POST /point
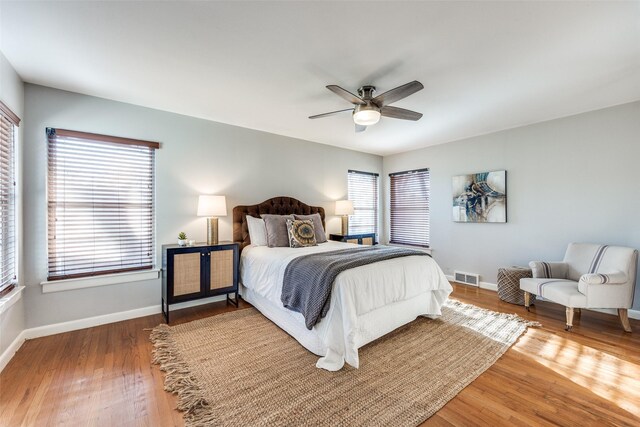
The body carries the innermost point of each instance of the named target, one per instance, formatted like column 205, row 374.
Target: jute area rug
column 240, row 369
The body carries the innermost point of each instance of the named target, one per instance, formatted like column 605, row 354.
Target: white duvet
column 366, row 302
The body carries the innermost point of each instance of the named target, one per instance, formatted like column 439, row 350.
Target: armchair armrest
column 601, row 279
column 612, row 290
column 549, row 270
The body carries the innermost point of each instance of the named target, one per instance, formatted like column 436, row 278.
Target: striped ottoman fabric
column 509, row 284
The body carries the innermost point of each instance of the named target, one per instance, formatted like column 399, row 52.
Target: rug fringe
column 180, row 380
column 507, row 316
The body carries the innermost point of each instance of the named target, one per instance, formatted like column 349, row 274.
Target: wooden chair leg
column 624, row 319
column 569, row 319
column 527, row 300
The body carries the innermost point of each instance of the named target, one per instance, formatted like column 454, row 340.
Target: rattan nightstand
column 199, row 271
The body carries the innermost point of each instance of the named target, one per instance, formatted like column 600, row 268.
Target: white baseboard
column 633, row 314
column 482, row 285
column 74, row 325
column 6, row 355
column 88, row 322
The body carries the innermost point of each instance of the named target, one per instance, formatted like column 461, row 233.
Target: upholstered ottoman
column 509, row 284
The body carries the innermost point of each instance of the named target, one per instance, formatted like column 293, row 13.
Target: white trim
column 633, row 314
column 481, row 285
column 11, row 298
column 7, row 355
column 73, row 325
column 93, row 281
column 89, row 322
column 104, row 319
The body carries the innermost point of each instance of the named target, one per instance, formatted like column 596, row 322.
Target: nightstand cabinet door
column 183, row 273
column 222, row 269
column 187, row 274
column 367, row 241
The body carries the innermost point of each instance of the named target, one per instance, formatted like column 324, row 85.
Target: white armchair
column 590, row 276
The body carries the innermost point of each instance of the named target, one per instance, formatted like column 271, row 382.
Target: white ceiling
column 486, row 66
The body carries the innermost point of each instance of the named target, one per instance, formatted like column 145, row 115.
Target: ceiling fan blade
column 360, row 128
column 400, row 113
column 398, row 93
column 317, row 116
column 343, row 93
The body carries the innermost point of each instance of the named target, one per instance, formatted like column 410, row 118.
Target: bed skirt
column 330, row 342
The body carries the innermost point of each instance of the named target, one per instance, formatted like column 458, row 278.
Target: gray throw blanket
column 308, row 280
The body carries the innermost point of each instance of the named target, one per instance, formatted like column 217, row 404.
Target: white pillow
column 257, row 231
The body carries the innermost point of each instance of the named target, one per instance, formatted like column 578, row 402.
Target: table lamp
column 344, row 208
column 212, row 207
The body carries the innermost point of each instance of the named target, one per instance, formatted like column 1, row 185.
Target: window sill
column 94, row 281
column 11, row 298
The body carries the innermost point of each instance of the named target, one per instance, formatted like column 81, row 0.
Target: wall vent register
column 467, row 278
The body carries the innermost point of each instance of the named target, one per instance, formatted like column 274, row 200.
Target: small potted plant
column 182, row 239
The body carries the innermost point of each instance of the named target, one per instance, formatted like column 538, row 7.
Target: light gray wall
column 568, row 180
column 12, row 94
column 196, row 157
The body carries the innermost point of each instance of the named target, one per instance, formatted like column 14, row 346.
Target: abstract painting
column 480, row 197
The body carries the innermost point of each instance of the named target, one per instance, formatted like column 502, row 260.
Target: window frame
column 10, row 258
column 376, row 209
column 426, row 208
column 97, row 142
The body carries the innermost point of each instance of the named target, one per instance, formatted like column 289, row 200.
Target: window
column 101, row 204
column 363, row 192
column 8, row 125
column 410, row 207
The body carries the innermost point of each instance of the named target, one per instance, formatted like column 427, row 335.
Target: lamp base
column 212, row 231
column 345, row 225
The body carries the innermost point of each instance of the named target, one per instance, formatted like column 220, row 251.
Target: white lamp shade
column 212, row 206
column 344, row 207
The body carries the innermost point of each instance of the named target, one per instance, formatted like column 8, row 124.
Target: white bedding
column 366, row 303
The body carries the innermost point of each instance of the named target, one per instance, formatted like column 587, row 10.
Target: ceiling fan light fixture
column 366, row 116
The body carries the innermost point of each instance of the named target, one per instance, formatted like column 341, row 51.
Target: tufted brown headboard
column 277, row 206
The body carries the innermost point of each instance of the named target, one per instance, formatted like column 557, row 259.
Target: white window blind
column 8, row 124
column 410, row 207
column 101, row 204
column 363, row 192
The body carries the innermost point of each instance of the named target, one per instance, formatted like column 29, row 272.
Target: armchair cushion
column 549, row 270
column 561, row 291
column 601, row 279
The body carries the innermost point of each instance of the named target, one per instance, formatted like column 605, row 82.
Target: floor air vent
column 468, row 278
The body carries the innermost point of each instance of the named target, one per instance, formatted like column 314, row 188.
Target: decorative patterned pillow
column 321, row 236
column 301, row 233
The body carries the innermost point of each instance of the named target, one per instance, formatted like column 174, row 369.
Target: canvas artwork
column 480, row 197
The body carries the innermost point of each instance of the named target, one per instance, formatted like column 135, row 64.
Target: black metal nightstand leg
column 165, row 313
column 233, row 301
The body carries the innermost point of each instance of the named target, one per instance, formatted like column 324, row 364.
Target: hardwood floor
column 103, row 376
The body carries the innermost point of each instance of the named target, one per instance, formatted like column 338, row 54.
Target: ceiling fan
column 367, row 110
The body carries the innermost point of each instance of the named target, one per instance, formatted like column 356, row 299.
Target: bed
column 367, row 302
